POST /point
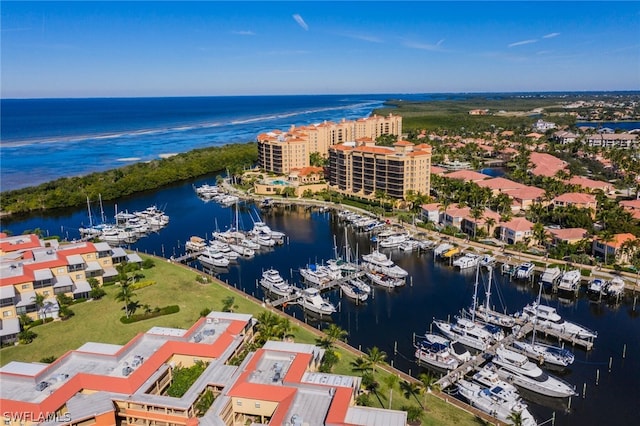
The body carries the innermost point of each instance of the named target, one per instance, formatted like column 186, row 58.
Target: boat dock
column 186, row 257
column 474, row 363
column 293, row 298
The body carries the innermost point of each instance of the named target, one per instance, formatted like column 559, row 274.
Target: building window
column 6, row 314
column 25, row 286
column 257, row 405
column 45, row 293
column 61, row 270
column 239, row 403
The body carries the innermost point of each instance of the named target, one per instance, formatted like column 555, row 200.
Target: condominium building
column 30, row 266
column 107, row 384
column 613, row 140
column 280, row 151
column 365, row 169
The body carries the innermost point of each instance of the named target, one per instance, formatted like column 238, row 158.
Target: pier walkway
column 188, row 256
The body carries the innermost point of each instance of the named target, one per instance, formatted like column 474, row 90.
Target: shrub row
column 171, row 309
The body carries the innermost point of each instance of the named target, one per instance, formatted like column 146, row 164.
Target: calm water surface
column 435, row 291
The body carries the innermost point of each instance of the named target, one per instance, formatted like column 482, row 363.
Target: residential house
column 524, row 197
column 632, row 206
column 576, row 199
column 431, row 212
column 516, row 230
column 590, row 185
column 467, row 176
column 546, row 164
column 613, row 140
column 567, row 235
column 564, row 137
column 614, row 249
column 500, row 184
column 543, row 126
column 488, row 223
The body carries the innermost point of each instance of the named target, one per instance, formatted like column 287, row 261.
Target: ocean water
column 45, row 139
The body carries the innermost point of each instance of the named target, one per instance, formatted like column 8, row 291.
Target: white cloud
column 551, row 35
column 301, row 22
column 523, row 42
column 425, row 46
column 243, row 33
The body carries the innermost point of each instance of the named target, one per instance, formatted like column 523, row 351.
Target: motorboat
column 450, row 253
column 550, row 277
column 525, row 271
column 353, row 292
column 517, row 369
column 409, row 245
column 207, row 191
column 490, row 401
column 570, row 281
column 384, row 280
column 487, row 261
column 357, row 282
column 488, row 376
column 315, row 275
column 442, row 248
column 469, row 260
column 379, row 262
column 393, row 241
column 223, row 248
column 466, row 332
column 263, row 240
column 615, row 288
column 435, row 351
column 312, row 301
column 548, row 317
column 245, row 242
column 488, row 315
column 211, row 258
column 195, row 243
column 597, row 287
column 273, row 281
column 242, row 250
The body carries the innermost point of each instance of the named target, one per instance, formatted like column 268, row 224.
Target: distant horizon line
column 629, row 91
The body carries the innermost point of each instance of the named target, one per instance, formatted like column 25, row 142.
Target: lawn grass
column 99, row 321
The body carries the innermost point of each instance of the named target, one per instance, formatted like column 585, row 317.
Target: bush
column 48, row 359
column 157, row 312
column 142, row 284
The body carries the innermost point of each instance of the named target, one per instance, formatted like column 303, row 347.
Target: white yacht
column 488, row 376
column 469, row 260
column 393, row 241
column 312, row 301
column 220, row 247
column 273, row 281
column 315, row 275
column 384, row 280
column 525, row 270
column 242, row 250
column 437, row 351
column 486, row 400
column 615, row 288
column 207, row 191
column 263, row 240
column 441, row 249
column 597, row 287
column 487, row 261
column 570, row 281
column 195, row 243
column 466, row 332
column 550, row 277
column 516, row 368
column 548, row 317
column 211, row 258
column 352, row 291
column 379, row 262
column 409, row 245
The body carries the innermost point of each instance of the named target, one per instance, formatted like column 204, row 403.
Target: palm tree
column 376, row 356
column 490, row 222
column 335, row 333
column 124, row 295
column 411, row 389
column 539, row 233
column 38, row 300
column 476, row 214
column 515, row 418
column 606, row 237
column 361, row 365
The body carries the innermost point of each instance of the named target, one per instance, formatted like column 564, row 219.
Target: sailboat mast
column 346, row 247
column 475, row 295
column 89, row 210
column 101, row 209
column 488, row 294
column 535, row 319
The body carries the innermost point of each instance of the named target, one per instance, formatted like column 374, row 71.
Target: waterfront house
column 614, row 249
column 431, row 212
column 454, row 216
column 613, row 140
column 500, row 184
column 543, row 126
column 632, row 206
column 488, row 222
column 524, row 197
column 516, row 230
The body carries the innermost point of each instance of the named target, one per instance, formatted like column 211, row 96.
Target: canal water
column 390, row 318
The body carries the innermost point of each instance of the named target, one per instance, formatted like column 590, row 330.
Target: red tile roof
column 518, row 224
column 575, row 198
column 568, row 234
column 546, row 164
column 500, row 183
column 466, row 175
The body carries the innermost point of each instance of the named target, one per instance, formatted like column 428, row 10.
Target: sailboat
column 469, row 332
column 486, row 314
column 542, row 352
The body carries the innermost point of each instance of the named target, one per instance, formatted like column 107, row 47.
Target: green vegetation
column 123, row 181
column 184, row 378
column 157, row 312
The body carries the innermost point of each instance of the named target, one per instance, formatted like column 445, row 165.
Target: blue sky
column 85, row 49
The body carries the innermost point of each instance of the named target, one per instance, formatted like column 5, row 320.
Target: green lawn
column 99, row 321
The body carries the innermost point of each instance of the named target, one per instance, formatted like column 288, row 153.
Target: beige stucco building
column 364, row 169
column 280, row 152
